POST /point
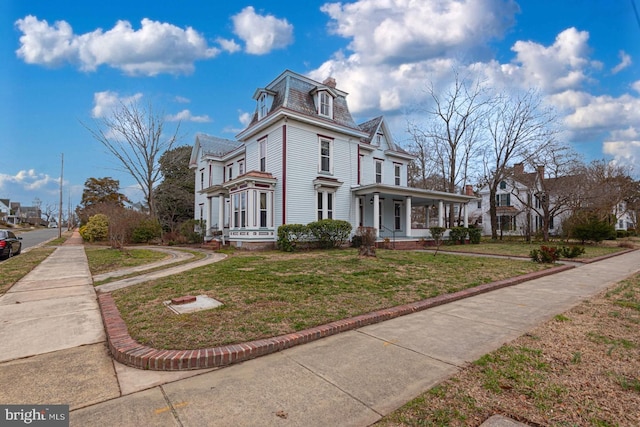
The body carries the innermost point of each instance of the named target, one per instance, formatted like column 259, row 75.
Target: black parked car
column 10, row 245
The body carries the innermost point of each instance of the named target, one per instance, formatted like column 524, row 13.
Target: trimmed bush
column 570, row 251
column 330, row 233
column 291, row 235
column 367, row 238
column 96, row 229
column 457, row 235
column 475, row 234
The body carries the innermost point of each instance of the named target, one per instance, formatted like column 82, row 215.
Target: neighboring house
column 302, row 158
column 5, row 209
column 522, row 199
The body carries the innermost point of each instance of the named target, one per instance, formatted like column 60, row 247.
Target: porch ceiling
column 419, row 197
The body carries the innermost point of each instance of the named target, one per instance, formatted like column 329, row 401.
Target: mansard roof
column 295, row 93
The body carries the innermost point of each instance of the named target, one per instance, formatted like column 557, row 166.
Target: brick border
column 127, row 351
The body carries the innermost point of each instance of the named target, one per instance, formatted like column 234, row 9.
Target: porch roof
column 419, row 197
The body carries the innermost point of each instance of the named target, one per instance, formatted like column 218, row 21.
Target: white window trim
column 262, row 150
column 329, row 98
column 325, row 192
column 330, row 141
column 375, row 171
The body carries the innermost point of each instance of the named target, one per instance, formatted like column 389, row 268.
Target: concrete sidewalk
column 54, row 352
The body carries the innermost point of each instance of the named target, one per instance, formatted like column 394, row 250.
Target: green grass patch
column 523, row 249
column 17, row 267
column 271, row 293
column 103, row 260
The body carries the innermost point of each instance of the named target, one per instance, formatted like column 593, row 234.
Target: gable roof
column 373, row 126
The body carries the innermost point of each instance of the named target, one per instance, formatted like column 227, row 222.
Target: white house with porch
column 303, row 158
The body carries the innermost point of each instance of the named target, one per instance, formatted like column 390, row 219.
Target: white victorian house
column 303, row 158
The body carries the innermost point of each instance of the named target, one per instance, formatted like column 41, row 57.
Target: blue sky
column 65, row 63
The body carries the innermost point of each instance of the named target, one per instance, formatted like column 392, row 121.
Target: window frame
column 397, row 173
column 325, row 104
column 379, row 176
column 328, row 157
column 262, row 149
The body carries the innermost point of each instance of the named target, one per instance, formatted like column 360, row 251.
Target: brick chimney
column 541, row 171
column 330, row 82
column 468, row 190
column 518, row 169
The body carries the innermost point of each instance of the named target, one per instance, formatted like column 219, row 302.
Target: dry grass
column 580, row 369
column 272, row 293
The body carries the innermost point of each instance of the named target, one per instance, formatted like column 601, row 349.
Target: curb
column 126, row 350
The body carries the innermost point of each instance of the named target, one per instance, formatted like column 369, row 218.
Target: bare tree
column 448, row 145
column 135, row 136
column 518, row 127
column 552, row 189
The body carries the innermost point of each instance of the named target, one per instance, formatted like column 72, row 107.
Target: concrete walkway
column 53, row 351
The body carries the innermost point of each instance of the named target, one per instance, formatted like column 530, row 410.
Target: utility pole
column 60, row 207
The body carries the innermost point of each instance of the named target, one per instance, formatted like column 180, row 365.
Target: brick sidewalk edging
column 126, row 350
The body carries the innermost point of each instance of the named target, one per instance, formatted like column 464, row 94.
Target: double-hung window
column 241, row 167
column 503, row 199
column 378, row 166
column 325, row 205
column 396, row 215
column 397, row 168
column 263, row 210
column 263, row 154
column 326, row 156
column 325, row 104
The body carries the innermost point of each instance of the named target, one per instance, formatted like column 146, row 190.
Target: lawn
column 271, row 293
column 578, row 369
column 104, row 259
column 19, row 266
column 522, row 249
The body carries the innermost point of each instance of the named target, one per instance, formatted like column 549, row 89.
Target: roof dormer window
column 262, row 106
column 325, row 107
column 264, row 97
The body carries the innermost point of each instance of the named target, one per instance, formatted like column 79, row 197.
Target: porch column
column 440, row 213
column 466, row 215
column 407, row 207
column 221, row 212
column 427, row 218
column 207, row 217
column 356, row 209
column 376, row 213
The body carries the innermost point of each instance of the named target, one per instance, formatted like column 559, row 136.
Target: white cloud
column 625, row 61
column 261, row 33
column 228, row 45
column 154, row 48
column 636, row 86
column 398, row 30
column 244, row 118
column 624, row 147
column 105, row 102
column 182, row 100
column 604, row 112
column 29, row 181
column 186, row 116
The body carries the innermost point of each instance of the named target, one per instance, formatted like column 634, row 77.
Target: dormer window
column 262, row 106
column 264, row 97
column 326, row 104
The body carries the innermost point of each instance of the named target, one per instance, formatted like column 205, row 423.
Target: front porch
column 390, row 210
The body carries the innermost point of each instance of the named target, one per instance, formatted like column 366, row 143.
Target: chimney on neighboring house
column 468, row 190
column 330, row 82
column 541, row 171
column 518, row 169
